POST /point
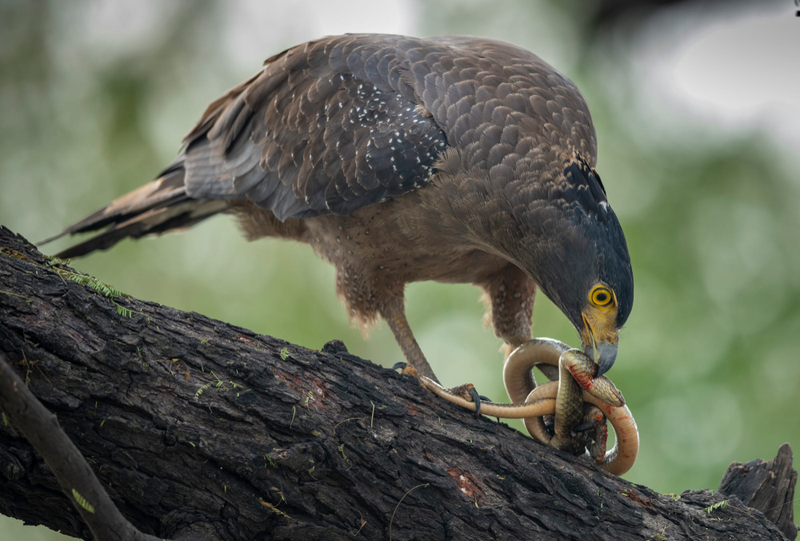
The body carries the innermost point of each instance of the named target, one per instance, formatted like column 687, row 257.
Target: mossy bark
column 192, row 424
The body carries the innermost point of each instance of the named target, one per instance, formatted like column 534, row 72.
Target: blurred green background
column 698, row 124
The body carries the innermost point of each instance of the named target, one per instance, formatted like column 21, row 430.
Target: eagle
column 398, row 159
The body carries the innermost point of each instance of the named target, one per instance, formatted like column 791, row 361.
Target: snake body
column 564, row 398
column 574, row 387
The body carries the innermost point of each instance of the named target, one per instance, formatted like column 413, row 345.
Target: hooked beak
column 606, row 355
column 602, row 350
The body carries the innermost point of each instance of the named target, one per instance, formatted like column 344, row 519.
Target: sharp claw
column 487, row 399
column 477, row 399
column 406, row 369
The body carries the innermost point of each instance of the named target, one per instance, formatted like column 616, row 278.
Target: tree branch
column 193, row 425
column 74, row 475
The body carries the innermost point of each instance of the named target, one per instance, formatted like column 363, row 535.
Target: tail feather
column 157, row 207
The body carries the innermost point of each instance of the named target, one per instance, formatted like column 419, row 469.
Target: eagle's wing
column 326, row 127
column 334, row 125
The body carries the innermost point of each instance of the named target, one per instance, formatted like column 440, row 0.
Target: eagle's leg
column 395, row 315
column 509, row 296
column 368, row 296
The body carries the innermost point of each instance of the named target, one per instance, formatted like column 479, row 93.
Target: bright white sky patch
column 256, row 27
column 738, row 71
column 246, row 31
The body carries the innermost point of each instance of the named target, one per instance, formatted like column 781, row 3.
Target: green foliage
column 719, row 505
column 84, row 280
column 224, row 385
column 202, row 389
column 82, row 501
column 103, row 288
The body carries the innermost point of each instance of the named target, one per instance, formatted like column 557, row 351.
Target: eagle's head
column 575, row 250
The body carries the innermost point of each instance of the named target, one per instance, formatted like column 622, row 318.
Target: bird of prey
column 398, row 159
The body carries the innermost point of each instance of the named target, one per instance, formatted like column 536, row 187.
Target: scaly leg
column 509, row 295
column 395, row 316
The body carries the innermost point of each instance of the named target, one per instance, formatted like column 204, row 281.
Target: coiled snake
column 573, row 398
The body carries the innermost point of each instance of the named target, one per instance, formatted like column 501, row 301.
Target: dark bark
column 74, row 475
column 193, row 424
column 766, row 486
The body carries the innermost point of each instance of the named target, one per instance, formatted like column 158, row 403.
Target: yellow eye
column 601, row 296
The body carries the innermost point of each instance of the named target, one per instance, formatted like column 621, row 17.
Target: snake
column 570, row 398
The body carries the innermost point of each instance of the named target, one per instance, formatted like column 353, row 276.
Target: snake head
column 583, row 369
column 603, row 389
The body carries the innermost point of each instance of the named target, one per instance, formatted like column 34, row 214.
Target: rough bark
column 192, row 423
column 75, row 477
column 767, row 486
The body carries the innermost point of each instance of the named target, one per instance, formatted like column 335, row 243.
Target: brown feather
column 399, row 159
